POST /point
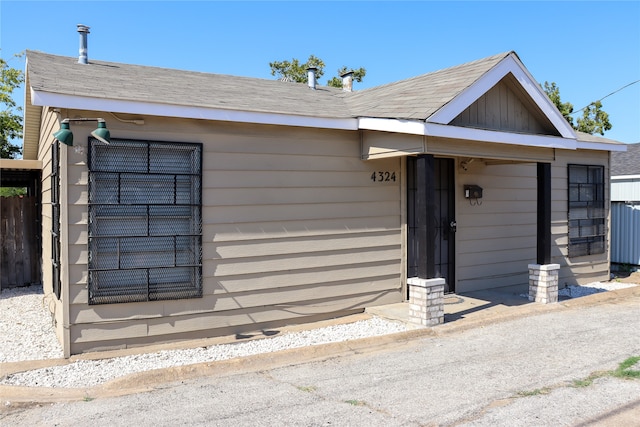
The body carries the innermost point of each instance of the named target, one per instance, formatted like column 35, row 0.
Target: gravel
column 26, row 326
column 576, row 291
column 28, row 334
column 32, row 337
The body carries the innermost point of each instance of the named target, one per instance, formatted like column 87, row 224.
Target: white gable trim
column 56, row 100
column 510, row 64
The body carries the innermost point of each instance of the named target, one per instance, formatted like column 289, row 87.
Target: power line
column 615, row 91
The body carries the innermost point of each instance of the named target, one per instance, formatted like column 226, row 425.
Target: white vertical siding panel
column 625, row 189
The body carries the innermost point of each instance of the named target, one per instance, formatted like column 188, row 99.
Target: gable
column 506, row 107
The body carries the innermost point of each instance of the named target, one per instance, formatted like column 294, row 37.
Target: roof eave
column 58, row 100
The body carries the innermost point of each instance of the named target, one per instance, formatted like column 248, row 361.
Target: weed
column 88, row 399
column 586, row 382
column 356, row 402
column 308, row 389
column 535, row 392
column 624, row 369
column 581, row 383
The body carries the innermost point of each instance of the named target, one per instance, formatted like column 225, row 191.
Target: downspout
column 64, row 252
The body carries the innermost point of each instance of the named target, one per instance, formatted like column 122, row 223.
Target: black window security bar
column 145, row 225
column 587, row 212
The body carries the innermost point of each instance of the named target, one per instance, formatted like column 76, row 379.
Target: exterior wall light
column 65, row 135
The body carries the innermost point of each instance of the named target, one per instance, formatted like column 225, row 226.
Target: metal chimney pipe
column 347, row 81
column 83, row 57
column 311, row 77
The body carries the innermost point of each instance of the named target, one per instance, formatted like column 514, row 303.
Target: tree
column 593, row 120
column 294, row 71
column 10, row 119
column 358, row 75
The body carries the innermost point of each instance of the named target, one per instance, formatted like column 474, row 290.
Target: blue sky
column 589, row 48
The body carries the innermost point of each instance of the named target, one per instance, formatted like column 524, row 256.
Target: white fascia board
column 509, row 64
column 187, row 112
column 625, row 177
column 588, row 145
column 412, row 127
column 469, row 134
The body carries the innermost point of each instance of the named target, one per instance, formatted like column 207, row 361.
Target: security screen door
column 431, row 219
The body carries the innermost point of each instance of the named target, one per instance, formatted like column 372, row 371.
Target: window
column 587, row 211
column 145, row 227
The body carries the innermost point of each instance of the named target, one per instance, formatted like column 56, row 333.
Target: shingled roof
column 626, row 163
column 126, row 82
column 415, row 98
column 423, row 105
column 420, row 97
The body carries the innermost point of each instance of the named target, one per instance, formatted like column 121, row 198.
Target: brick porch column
column 543, row 283
column 426, row 301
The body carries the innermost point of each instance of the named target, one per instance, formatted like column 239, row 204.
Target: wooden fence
column 19, row 241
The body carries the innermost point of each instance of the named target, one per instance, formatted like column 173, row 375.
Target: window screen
column 587, row 212
column 145, row 227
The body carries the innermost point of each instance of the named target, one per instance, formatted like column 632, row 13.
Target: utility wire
column 615, row 91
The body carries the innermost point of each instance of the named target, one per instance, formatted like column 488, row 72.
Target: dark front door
column 431, row 219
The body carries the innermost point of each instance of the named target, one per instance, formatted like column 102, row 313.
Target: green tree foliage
column 358, row 75
column 10, row 118
column 294, row 71
column 594, row 119
column 12, row 191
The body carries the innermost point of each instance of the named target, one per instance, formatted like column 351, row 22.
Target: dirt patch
column 626, row 277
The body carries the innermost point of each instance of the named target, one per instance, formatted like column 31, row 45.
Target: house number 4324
column 383, row 176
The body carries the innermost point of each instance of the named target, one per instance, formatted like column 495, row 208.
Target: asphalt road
column 518, row 372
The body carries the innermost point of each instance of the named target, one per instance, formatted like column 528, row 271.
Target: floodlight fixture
column 65, row 135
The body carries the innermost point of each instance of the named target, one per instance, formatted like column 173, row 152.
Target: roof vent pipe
column 347, row 81
column 83, row 57
column 311, row 77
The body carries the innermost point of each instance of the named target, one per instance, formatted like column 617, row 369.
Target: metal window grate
column 145, row 226
column 587, row 212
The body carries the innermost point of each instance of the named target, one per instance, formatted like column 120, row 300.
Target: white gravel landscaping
column 574, row 291
column 27, row 334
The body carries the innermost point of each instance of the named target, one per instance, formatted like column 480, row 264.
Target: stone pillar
column 543, row 283
column 426, row 301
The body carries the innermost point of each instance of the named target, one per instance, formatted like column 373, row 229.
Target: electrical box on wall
column 472, row 192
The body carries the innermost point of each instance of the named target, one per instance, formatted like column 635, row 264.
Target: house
column 625, row 207
column 224, row 204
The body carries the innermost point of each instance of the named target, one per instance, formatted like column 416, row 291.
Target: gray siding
column 293, row 229
column 496, row 239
